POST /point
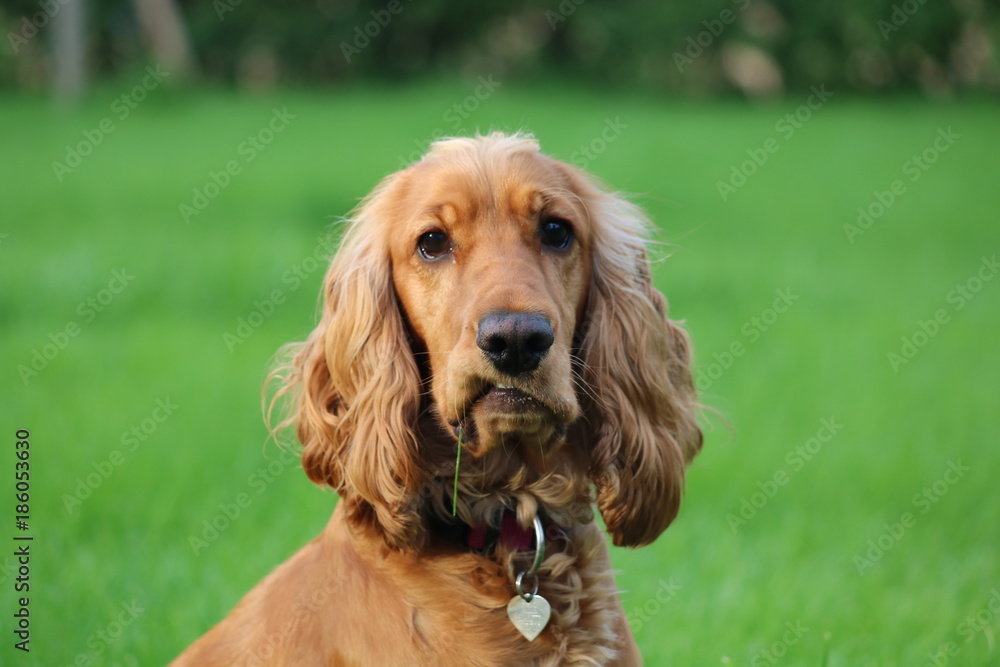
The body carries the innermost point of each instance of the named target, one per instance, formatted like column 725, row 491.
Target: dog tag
column 529, row 617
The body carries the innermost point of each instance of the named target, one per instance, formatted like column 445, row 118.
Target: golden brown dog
column 492, row 302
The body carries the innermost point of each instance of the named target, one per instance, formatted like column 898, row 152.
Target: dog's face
column 493, row 294
column 492, row 267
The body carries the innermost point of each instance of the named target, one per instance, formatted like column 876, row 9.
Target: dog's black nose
column 514, row 342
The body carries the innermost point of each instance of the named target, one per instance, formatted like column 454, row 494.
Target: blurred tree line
column 757, row 47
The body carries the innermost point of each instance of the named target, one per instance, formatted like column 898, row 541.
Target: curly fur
column 384, row 383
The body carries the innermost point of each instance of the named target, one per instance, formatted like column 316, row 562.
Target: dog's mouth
column 504, row 413
column 503, row 398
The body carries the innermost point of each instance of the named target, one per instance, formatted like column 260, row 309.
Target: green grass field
column 844, row 513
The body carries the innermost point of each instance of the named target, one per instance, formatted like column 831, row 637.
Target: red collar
column 511, row 535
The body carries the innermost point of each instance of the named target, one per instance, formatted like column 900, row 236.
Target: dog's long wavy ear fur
column 643, row 422
column 355, row 385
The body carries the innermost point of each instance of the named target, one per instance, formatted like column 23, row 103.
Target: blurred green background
column 829, row 193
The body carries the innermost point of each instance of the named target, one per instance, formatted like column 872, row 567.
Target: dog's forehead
column 519, row 185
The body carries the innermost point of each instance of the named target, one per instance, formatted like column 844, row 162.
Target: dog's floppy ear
column 357, row 385
column 642, row 423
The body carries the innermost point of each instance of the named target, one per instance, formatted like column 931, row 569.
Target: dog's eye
column 556, row 233
column 432, row 245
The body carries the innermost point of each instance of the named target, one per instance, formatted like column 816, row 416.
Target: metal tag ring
column 539, row 557
column 539, row 546
column 527, row 597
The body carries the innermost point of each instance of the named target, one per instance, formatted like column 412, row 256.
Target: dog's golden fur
column 394, row 373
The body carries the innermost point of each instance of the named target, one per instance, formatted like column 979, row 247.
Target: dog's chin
column 508, row 417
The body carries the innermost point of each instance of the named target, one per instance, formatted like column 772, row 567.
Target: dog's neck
column 483, row 538
column 500, row 492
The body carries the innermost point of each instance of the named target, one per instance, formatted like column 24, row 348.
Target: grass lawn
column 844, row 513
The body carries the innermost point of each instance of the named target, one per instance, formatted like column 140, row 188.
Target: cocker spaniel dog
column 492, row 361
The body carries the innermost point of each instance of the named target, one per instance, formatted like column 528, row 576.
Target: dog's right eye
column 433, row 245
column 556, row 233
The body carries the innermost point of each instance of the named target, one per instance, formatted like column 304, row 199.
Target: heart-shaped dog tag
column 529, row 617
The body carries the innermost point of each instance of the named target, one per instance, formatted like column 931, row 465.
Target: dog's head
column 491, row 294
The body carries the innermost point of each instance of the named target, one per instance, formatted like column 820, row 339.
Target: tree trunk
column 69, row 50
column 168, row 41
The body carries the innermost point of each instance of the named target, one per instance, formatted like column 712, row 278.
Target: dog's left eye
column 432, row 245
column 556, row 233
